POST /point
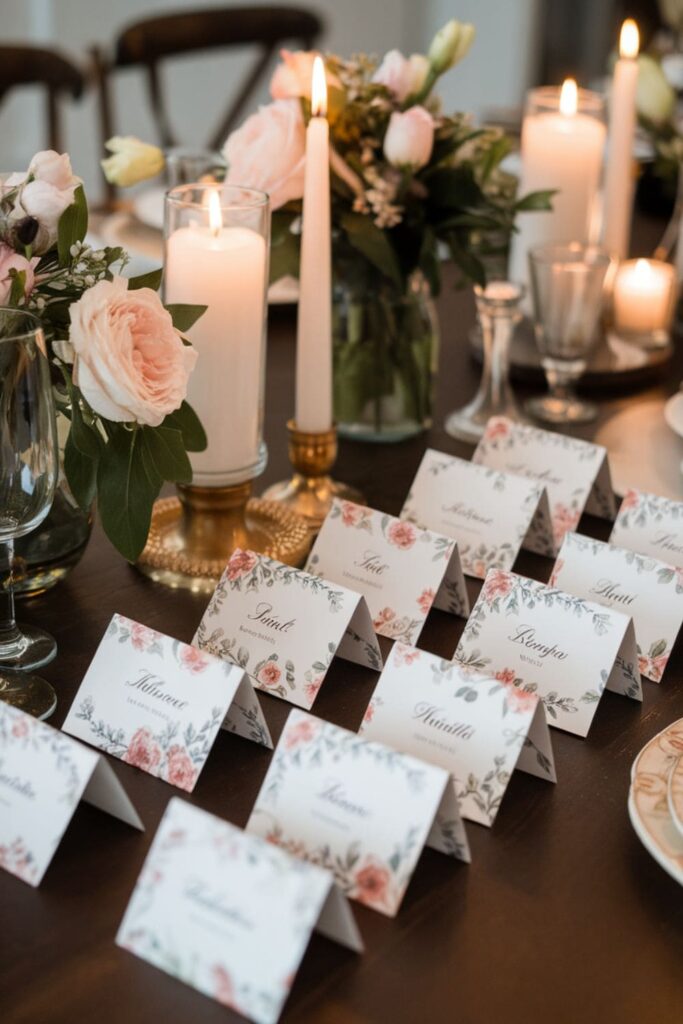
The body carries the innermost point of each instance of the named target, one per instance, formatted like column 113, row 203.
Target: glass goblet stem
column 12, row 643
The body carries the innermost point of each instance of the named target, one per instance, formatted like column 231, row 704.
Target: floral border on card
column 360, row 873
column 19, row 729
column 505, row 593
column 652, row 662
column 638, row 508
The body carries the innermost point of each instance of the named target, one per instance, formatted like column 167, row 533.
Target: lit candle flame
column 643, row 270
column 569, row 97
column 318, row 89
column 215, row 214
column 629, row 40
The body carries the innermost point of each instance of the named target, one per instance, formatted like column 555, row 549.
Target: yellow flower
column 131, row 161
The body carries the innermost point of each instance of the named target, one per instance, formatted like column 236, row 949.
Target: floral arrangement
column 119, row 359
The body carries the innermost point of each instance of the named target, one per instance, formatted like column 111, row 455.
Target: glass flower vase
column 385, row 356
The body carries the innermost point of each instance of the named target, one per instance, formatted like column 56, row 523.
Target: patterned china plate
column 648, row 802
column 675, row 795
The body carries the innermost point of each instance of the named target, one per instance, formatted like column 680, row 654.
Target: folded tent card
column 650, row 525
column 228, row 913
column 43, row 777
column 489, row 513
column 159, row 704
column 284, row 626
column 564, row 648
column 361, row 809
column 400, row 570
column 477, row 727
column 648, row 590
column 575, row 473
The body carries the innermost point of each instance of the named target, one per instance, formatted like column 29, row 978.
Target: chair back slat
column 32, row 65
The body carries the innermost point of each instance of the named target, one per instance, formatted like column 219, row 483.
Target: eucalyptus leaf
column 184, row 315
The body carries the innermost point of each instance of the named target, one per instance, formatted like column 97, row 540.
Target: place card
column 360, row 809
column 564, row 648
column 229, row 914
column 489, row 513
column 575, row 473
column 648, row 590
column 396, row 566
column 158, row 704
column 43, row 777
column 650, row 525
column 284, row 626
column 476, row 727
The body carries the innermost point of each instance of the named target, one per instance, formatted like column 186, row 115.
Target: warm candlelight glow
column 629, row 40
column 318, row 89
column 569, row 98
column 215, row 215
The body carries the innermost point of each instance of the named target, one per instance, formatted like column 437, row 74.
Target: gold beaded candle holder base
column 311, row 490
column 192, row 537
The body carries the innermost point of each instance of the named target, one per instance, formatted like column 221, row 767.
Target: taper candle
column 618, row 194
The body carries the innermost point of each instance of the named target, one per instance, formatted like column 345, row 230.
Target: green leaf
column 86, row 439
column 185, row 420
column 497, row 151
column 184, row 315
column 18, row 287
column 81, row 474
column 536, row 200
column 453, row 188
column 280, row 225
column 467, row 262
column 72, row 226
column 373, row 243
column 284, row 257
column 165, row 448
column 125, row 493
column 151, row 280
column 658, row 648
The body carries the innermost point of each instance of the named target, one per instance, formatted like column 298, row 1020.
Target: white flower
column 46, row 190
column 655, row 99
column 449, row 45
column 131, row 161
column 401, row 75
column 409, row 138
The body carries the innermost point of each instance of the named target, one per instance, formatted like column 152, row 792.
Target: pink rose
column 498, row 583
column 401, row 535
column 564, row 520
column 402, row 76
column 241, row 563
column 142, row 751
column 371, row 883
column 270, row 674
column 11, row 260
column 426, row 600
column 141, row 637
column 479, row 569
column 301, row 733
column 131, row 363
column 268, row 152
column 179, row 768
column 409, row 138
column 193, row 659
column 404, row 655
column 505, row 675
column 311, row 689
column 384, row 616
column 47, row 195
column 351, row 514
column 496, row 428
column 631, row 499
column 292, row 78
column 519, row 701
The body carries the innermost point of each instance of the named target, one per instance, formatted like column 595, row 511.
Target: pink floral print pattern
column 241, row 564
column 401, row 534
column 142, row 751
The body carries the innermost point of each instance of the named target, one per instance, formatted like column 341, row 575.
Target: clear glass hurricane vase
column 28, row 477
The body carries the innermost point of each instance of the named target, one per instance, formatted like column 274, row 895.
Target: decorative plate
column 648, row 802
column 675, row 795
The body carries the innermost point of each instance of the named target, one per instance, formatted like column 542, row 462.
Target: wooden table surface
column 562, row 917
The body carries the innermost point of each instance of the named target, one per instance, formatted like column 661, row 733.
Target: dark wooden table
column 561, row 918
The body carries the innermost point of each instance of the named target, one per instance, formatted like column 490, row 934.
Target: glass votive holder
column 643, row 302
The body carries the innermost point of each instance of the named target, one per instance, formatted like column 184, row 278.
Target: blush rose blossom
column 293, row 77
column 498, row 583
column 241, row 563
column 404, row 655
column 11, row 260
column 631, row 499
column 426, row 600
column 497, row 429
column 269, row 674
column 401, row 75
column 401, row 535
column 193, row 659
column 142, row 751
column 303, row 732
column 179, row 768
column 268, row 152
column 371, row 883
column 351, row 514
column 130, row 361
column 409, row 138
column 141, row 636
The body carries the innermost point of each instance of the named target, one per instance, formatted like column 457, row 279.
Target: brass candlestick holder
column 192, row 536
column 311, row 490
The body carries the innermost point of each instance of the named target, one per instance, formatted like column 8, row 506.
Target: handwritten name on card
column 360, row 809
column 477, row 727
column 489, row 513
column 229, row 914
column 650, row 525
column 575, row 473
column 565, row 649
column 158, row 704
column 396, row 566
column 284, row 626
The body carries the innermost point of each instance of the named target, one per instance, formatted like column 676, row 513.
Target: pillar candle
column 223, row 268
column 618, row 193
column 561, row 149
column 314, row 326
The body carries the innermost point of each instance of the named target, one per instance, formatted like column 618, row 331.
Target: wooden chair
column 146, row 44
column 31, row 65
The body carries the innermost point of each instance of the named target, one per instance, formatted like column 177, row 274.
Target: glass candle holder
column 216, row 241
column 643, row 302
column 562, row 146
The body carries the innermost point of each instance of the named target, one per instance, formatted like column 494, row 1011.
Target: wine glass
column 28, row 476
column 567, row 283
